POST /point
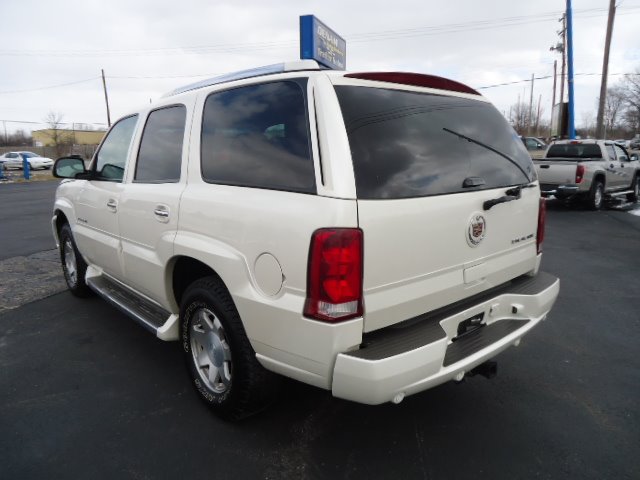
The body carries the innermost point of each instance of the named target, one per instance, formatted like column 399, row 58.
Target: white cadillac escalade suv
column 373, row 234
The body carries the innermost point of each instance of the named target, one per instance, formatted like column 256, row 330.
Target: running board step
column 619, row 194
column 149, row 315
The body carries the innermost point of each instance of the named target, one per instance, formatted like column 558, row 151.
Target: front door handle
column 112, row 205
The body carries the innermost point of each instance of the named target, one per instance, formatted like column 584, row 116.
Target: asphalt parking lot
column 85, row 392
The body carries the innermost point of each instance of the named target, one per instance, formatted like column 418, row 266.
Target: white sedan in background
column 14, row 160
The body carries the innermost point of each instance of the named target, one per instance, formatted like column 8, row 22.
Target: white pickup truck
column 591, row 170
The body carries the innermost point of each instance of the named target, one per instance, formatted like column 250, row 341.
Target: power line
column 364, row 37
column 549, row 76
column 60, row 85
column 6, row 92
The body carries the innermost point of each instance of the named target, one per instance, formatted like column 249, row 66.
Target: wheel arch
column 57, row 221
column 183, row 271
column 600, row 175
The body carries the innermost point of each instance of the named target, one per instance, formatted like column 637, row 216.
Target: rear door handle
column 112, row 205
column 162, row 213
column 544, row 166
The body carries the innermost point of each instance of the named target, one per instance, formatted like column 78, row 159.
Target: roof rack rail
column 296, row 66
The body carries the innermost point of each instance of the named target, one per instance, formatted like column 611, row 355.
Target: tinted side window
column 160, row 155
column 611, row 152
column 408, row 144
column 258, row 136
column 621, row 154
column 112, row 156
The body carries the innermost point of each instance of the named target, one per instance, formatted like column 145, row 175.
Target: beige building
column 45, row 137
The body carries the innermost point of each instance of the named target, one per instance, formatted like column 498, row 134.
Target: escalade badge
column 476, row 230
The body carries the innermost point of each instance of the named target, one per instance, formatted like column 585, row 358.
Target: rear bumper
column 560, row 191
column 421, row 353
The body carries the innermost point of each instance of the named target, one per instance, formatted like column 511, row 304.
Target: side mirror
column 68, row 167
column 634, row 157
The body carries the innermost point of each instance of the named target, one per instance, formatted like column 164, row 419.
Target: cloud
column 479, row 43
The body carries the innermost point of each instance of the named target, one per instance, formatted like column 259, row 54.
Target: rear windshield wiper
column 514, row 193
column 488, row 147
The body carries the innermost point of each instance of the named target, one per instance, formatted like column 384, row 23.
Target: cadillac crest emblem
column 476, row 230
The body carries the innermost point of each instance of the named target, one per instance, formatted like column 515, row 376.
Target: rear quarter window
column 409, row 144
column 258, row 136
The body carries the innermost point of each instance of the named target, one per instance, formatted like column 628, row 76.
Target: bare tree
column 59, row 137
column 519, row 117
column 16, row 139
column 539, row 125
column 588, row 124
column 613, row 108
column 631, row 84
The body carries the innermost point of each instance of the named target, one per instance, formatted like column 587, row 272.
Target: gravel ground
column 25, row 279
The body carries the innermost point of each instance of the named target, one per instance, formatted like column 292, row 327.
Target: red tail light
column 542, row 217
column 334, row 281
column 579, row 173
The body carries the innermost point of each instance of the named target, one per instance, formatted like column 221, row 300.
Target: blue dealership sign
column 318, row 42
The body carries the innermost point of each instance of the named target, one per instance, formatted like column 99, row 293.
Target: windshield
column 574, row 150
column 408, row 144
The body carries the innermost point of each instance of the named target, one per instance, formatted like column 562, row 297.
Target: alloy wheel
column 210, row 350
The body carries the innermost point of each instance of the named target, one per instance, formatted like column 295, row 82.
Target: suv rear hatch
column 425, row 164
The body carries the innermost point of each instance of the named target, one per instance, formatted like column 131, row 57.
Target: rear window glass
column 574, row 150
column 408, row 144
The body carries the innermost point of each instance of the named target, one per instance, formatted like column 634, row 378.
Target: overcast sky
column 148, row 47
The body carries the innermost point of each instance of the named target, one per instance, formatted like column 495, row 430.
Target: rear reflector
column 579, row 173
column 334, row 275
column 415, row 79
column 542, row 218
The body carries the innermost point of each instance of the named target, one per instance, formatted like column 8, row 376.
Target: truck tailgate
column 556, row 172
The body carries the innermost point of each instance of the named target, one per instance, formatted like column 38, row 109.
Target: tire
column 221, row 362
column 596, row 195
column 635, row 186
column 73, row 265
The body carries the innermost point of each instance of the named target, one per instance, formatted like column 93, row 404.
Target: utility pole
column 6, row 139
column 538, row 115
column 531, row 106
column 553, row 99
column 561, row 47
column 564, row 58
column 605, row 71
column 106, row 99
column 572, row 109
